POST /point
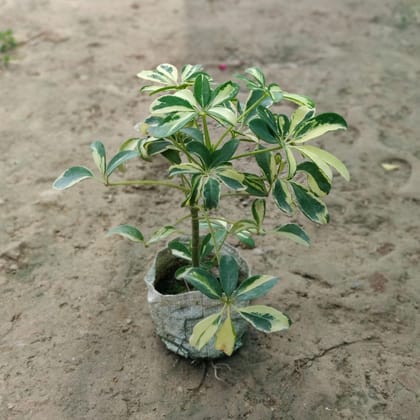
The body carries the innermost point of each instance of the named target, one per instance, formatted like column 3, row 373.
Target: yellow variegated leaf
column 225, row 338
column 204, row 330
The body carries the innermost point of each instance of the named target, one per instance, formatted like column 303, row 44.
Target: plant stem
column 195, row 237
column 147, row 182
column 206, row 133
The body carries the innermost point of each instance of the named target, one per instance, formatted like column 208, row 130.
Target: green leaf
column 202, row 91
column 263, row 130
column 245, row 238
column 299, row 99
column 99, row 156
column 294, row 232
column 162, row 233
column 229, row 272
column 282, row 197
column 254, row 97
column 316, row 155
column 180, row 250
column 200, row 150
column 322, row 183
column 119, row 159
column 204, row 281
column 258, row 212
column 322, row 165
column 254, row 287
column 211, row 193
column 204, row 331
column 224, row 92
column 225, row 153
column 225, row 337
column 268, row 165
column 193, row 133
column 283, row 125
column 265, row 318
column 319, row 125
column 312, row 207
column 168, row 71
column 128, row 232
column 72, row 176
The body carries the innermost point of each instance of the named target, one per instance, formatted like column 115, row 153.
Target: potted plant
column 208, row 133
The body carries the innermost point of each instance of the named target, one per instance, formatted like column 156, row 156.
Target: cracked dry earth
column 76, row 340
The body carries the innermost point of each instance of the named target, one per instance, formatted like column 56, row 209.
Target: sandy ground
column 76, row 340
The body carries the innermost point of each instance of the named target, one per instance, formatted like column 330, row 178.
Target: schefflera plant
column 202, row 164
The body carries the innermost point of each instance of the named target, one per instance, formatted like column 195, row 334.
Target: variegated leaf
column 204, row 331
column 223, row 115
column 317, row 126
column 224, row 92
column 171, row 124
column 316, row 155
column 299, row 99
column 282, row 197
column 318, row 182
column 161, row 234
column 254, row 287
column 202, row 91
column 291, row 161
column 119, row 159
column 311, row 206
column 180, row 250
column 258, row 211
column 184, row 169
column 293, row 232
column 211, row 193
column 71, row 177
column 225, row 337
column 300, row 115
column 257, row 74
column 128, row 232
column 190, row 71
column 182, row 101
column 265, row 318
column 231, row 178
column 204, row 281
column 99, row 156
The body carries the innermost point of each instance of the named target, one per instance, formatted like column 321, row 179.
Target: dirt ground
column 76, row 339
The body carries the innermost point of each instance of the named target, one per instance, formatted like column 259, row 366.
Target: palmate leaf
column 71, row 177
column 231, row 178
column 128, row 232
column 254, row 287
column 223, row 115
column 265, row 318
column 225, row 153
column 226, row 337
column 293, row 232
column 255, row 185
column 204, row 331
column 203, row 281
column 311, row 206
column 99, row 156
column 301, row 115
column 229, row 273
column 317, row 126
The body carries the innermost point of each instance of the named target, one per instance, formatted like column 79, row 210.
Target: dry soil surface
column 76, row 339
